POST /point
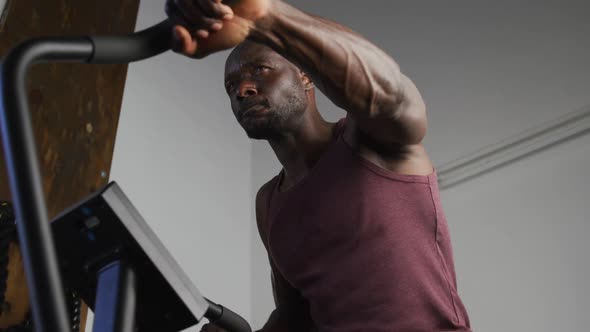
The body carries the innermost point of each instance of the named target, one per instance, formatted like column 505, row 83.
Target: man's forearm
column 355, row 74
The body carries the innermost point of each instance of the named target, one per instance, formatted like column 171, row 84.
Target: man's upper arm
column 404, row 125
column 292, row 308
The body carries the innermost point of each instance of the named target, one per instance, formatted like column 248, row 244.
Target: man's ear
column 307, row 82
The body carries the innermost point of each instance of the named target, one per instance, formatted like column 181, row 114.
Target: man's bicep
column 291, row 307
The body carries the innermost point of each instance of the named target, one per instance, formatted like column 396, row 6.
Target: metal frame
column 40, row 261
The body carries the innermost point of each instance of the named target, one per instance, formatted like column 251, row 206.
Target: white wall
column 185, row 163
column 488, row 70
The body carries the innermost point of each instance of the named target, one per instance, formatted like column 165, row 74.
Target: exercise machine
column 101, row 247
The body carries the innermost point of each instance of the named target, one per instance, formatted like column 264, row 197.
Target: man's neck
column 298, row 151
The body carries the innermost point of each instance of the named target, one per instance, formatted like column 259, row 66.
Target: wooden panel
column 75, row 107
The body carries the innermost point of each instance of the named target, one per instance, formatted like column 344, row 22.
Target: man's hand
column 202, row 27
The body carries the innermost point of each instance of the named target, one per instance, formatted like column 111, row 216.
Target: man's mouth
column 254, row 111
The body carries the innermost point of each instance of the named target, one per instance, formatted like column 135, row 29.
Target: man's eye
column 260, row 69
column 229, row 86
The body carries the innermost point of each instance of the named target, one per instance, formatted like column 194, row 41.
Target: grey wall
column 488, row 70
column 520, row 240
column 185, row 163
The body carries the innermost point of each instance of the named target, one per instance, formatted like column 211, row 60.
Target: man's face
column 267, row 91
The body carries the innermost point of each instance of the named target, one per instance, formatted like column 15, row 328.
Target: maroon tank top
column 368, row 248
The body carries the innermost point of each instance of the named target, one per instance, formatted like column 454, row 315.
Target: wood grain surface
column 75, row 110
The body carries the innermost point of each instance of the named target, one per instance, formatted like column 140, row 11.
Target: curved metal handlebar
column 225, row 318
column 138, row 46
column 40, row 260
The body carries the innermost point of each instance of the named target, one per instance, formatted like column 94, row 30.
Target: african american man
column 353, row 225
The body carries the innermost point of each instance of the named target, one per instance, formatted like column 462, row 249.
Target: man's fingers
column 201, row 27
column 194, row 18
column 183, row 41
column 214, row 8
column 188, row 8
column 177, row 16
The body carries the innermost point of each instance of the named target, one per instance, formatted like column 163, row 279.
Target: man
column 353, row 224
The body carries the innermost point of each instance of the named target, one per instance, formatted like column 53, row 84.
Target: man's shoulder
column 265, row 191
column 263, row 197
column 262, row 205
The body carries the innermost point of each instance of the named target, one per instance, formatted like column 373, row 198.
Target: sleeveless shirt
column 368, row 248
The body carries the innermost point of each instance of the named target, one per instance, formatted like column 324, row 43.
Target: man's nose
column 247, row 89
